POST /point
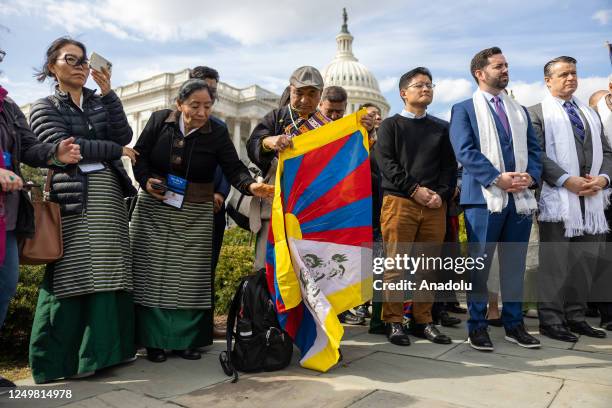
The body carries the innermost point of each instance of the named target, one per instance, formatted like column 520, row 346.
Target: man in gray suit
column 569, row 244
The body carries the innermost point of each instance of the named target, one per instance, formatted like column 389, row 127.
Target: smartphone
column 159, row 187
column 97, row 62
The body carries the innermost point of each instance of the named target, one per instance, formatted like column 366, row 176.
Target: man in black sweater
column 418, row 177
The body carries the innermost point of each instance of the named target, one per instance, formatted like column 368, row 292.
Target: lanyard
column 293, row 120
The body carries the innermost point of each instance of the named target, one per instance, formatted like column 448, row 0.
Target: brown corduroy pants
column 404, row 221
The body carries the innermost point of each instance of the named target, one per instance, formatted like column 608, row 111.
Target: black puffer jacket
column 101, row 130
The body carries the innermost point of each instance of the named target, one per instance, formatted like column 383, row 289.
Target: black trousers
column 218, row 231
column 565, row 275
column 446, row 299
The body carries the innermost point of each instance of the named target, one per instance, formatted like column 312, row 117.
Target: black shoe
column 349, row 318
column 558, row 332
column 6, row 385
column 362, row 311
column 430, row 332
column 606, row 325
column 495, row 322
column 585, row 329
column 456, row 309
column 520, row 336
column 156, row 355
column 479, row 340
column 446, row 320
column 398, row 334
column 189, row 354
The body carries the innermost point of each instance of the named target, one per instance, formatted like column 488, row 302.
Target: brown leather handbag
column 46, row 245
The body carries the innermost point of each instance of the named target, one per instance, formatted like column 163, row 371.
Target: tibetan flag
column 318, row 260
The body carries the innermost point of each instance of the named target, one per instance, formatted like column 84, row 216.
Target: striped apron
column 172, row 253
column 97, row 255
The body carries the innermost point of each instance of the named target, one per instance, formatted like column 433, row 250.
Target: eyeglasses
column 74, row 61
column 2, row 55
column 422, row 85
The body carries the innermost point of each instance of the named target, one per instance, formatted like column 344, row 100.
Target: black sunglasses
column 74, row 61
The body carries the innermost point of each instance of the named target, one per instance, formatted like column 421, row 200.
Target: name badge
column 8, row 160
column 91, row 167
column 175, row 194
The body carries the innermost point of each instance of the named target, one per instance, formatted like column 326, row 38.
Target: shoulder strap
column 231, row 324
column 48, row 181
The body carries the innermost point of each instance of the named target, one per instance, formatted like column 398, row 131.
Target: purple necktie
column 499, row 109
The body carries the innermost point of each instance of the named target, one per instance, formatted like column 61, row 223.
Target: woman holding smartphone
column 172, row 225
column 84, row 319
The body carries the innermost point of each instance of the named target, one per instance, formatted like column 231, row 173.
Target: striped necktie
column 575, row 119
column 501, row 114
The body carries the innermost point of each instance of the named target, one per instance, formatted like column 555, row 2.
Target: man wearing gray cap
column 273, row 134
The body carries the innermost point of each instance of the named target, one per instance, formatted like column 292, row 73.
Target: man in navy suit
column 497, row 192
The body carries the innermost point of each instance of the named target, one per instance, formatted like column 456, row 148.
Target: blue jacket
column 220, row 182
column 221, row 185
column 478, row 171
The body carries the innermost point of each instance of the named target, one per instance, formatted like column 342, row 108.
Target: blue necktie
column 575, row 119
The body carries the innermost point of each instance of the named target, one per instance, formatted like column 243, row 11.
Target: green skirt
column 80, row 334
column 173, row 329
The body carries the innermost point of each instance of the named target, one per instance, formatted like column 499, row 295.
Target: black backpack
column 261, row 345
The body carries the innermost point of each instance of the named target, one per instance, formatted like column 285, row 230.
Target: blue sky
column 262, row 42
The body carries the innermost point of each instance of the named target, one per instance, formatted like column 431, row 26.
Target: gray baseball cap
column 306, row 76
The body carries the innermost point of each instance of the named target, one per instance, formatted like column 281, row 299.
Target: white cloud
column 140, row 73
column 89, row 17
column 262, row 42
column 238, row 66
column 159, row 20
column 17, row 8
column 24, row 92
column 528, row 94
column 588, row 86
column 603, row 16
column 388, row 84
column 453, row 89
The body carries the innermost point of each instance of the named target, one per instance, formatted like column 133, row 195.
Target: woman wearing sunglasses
column 85, row 316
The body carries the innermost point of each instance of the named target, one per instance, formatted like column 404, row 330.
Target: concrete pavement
column 373, row 373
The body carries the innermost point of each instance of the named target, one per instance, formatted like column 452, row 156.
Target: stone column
column 236, row 135
column 136, row 130
column 254, row 123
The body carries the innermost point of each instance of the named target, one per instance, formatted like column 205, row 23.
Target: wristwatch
column 494, row 182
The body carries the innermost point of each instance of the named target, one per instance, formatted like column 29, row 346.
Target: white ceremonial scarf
column 558, row 204
column 497, row 199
